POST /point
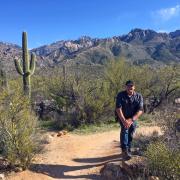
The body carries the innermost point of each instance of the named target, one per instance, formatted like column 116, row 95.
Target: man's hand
column 127, row 123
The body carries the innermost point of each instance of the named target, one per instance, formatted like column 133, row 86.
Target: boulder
column 135, row 168
column 4, row 165
column 113, row 171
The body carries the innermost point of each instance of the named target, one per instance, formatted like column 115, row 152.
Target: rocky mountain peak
column 175, row 34
column 140, row 36
column 141, row 46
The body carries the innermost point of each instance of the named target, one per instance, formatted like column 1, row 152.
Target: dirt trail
column 76, row 156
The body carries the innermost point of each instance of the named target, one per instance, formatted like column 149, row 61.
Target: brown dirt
column 76, row 156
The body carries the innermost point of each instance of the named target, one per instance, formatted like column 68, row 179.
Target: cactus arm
column 32, row 63
column 18, row 67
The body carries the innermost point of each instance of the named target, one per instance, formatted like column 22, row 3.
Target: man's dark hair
column 129, row 82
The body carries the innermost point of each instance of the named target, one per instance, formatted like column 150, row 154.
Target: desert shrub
column 168, row 120
column 163, row 86
column 147, row 118
column 164, row 155
column 116, row 73
column 84, row 96
column 82, row 101
column 162, row 161
column 96, row 102
column 17, row 129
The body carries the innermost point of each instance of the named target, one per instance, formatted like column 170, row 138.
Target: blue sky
column 47, row 21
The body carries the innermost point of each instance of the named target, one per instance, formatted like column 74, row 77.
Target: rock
column 134, row 168
column 47, row 139
column 153, row 178
column 4, row 165
column 53, row 135
column 113, row 171
column 177, row 101
column 143, row 47
column 65, row 132
column 61, row 133
column 2, row 177
column 18, row 169
column 45, row 109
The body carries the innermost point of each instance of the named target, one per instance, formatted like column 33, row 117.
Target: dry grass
column 146, row 135
column 148, row 131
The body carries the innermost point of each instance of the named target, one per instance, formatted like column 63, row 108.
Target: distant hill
column 138, row 46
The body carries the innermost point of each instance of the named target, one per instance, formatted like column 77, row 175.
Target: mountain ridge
column 139, row 46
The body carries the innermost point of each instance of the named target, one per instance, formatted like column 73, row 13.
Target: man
column 129, row 107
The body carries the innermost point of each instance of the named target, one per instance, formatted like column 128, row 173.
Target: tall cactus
column 64, row 78
column 64, row 73
column 3, row 78
column 28, row 66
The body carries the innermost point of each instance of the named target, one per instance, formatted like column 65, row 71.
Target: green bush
column 147, row 118
column 162, row 161
column 85, row 96
column 17, row 129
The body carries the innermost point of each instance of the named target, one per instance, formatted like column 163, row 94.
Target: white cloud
column 166, row 14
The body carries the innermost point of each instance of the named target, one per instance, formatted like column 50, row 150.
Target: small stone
column 47, row 139
column 59, row 134
column 52, row 135
column 64, row 132
column 18, row 169
column 153, row 178
column 2, row 177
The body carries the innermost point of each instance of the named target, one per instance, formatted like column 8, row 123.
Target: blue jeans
column 126, row 136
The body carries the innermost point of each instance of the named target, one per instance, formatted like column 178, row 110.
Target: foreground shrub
column 163, row 162
column 17, row 129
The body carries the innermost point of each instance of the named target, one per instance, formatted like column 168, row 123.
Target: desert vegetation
column 73, row 96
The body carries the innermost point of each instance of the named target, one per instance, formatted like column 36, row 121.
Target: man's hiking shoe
column 126, row 155
column 135, row 151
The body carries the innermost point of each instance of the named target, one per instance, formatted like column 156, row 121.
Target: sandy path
column 76, row 156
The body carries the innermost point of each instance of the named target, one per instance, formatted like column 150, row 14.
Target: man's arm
column 120, row 115
column 140, row 109
column 137, row 115
column 119, row 109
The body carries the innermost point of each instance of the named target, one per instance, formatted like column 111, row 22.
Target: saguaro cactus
column 64, row 72
column 3, row 78
column 28, row 66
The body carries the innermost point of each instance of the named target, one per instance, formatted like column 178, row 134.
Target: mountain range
column 138, row 46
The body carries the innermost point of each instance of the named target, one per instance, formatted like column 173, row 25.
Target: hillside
column 138, row 46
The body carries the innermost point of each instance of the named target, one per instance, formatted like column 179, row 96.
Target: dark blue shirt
column 130, row 104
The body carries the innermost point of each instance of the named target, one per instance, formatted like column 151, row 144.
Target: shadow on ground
column 59, row 171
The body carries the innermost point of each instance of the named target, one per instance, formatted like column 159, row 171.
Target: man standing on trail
column 129, row 107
